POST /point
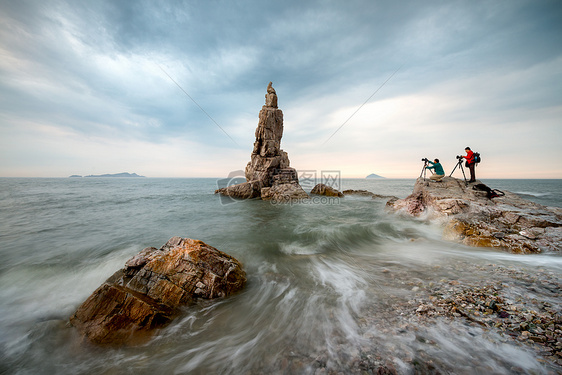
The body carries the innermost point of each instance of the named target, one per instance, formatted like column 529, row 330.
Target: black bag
column 490, row 193
column 477, row 158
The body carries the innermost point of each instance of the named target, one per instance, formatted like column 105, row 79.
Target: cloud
column 92, row 73
column 490, row 111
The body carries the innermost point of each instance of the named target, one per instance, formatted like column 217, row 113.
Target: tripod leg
column 465, row 181
column 454, row 169
column 423, row 170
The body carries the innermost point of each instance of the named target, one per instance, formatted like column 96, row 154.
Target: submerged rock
column 322, row 189
column 245, row 190
column 506, row 222
column 149, row 290
column 268, row 173
column 366, row 193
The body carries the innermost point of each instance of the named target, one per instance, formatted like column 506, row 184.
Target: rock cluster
column 530, row 322
column 413, row 315
column 507, row 222
column 268, row 174
column 521, row 306
column 149, row 290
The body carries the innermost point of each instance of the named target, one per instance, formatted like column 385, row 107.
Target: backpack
column 490, row 193
column 477, row 158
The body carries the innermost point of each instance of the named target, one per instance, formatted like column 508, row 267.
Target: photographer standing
column 438, row 168
column 470, row 163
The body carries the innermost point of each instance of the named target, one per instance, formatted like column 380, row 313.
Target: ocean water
column 326, row 280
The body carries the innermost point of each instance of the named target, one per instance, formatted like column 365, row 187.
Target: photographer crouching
column 435, row 167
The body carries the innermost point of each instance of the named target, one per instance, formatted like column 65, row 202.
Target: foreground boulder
column 149, row 290
column 268, row 174
column 471, row 216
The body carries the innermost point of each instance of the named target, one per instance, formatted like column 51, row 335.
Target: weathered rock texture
column 268, row 174
column 149, row 290
column 284, row 187
column 323, row 189
column 509, row 222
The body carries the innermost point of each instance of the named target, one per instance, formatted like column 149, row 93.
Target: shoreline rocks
column 493, row 300
column 505, row 222
column 148, row 292
column 268, row 173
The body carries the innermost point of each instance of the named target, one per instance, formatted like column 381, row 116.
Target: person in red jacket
column 470, row 163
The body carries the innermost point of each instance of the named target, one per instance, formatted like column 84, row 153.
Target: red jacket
column 469, row 156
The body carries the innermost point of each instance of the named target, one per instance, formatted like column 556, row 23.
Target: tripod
column 424, row 170
column 459, row 164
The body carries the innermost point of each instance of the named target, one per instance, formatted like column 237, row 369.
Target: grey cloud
column 330, row 54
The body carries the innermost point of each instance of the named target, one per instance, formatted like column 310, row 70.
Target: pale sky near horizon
column 84, row 91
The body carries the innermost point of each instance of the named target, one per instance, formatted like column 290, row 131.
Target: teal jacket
column 438, row 168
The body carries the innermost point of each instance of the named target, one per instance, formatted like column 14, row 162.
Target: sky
column 174, row 88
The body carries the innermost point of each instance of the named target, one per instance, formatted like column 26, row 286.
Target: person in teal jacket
column 438, row 168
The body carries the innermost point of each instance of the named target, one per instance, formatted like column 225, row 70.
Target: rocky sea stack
column 148, row 292
column 268, row 174
column 476, row 218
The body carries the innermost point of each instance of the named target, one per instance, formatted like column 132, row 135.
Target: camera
column 425, row 159
column 459, row 157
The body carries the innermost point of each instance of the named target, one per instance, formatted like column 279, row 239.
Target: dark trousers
column 472, row 174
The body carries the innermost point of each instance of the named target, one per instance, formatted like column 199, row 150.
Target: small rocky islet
column 268, row 173
column 471, row 216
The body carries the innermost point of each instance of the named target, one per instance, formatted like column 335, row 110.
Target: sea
column 330, row 281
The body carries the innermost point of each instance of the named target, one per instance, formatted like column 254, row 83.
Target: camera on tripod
column 425, row 159
column 459, row 165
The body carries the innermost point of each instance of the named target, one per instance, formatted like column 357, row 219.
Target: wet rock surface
column 522, row 308
column 323, row 189
column 284, row 187
column 405, row 330
column 366, row 193
column 268, row 174
column 507, row 222
column 148, row 292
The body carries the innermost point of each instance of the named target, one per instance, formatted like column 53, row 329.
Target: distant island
column 124, row 174
column 372, row 175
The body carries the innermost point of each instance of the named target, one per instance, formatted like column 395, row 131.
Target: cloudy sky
column 85, row 86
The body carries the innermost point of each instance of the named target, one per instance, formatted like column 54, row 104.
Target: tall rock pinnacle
column 268, row 174
column 267, row 155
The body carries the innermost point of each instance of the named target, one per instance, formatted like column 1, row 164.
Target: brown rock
column 366, row 193
column 271, row 96
column 284, row 193
column 245, row 190
column 322, row 189
column 149, row 290
column 284, row 187
column 363, row 193
column 508, row 222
